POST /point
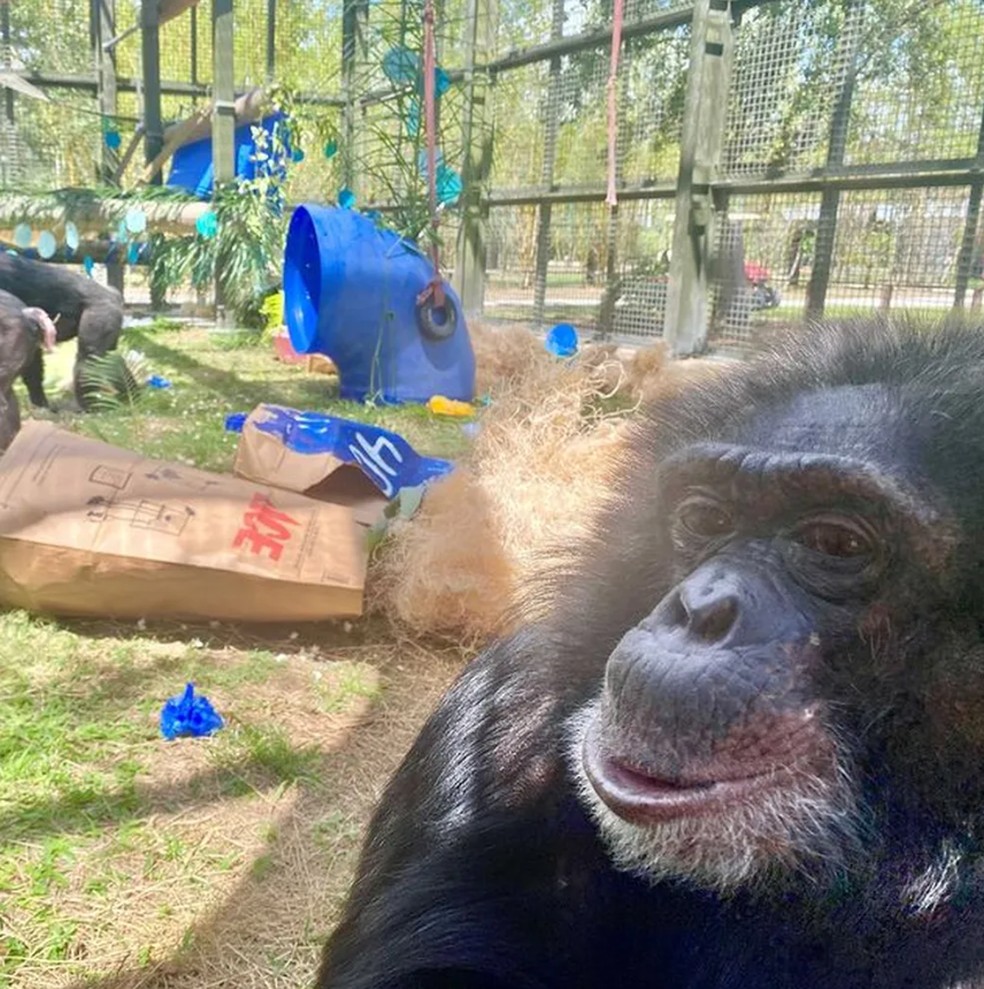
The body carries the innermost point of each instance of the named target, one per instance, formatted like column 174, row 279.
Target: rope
column 611, row 199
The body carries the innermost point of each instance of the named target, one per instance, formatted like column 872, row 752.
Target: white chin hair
column 810, row 828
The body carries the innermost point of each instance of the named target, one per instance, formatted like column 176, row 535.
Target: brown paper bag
column 263, row 458
column 90, row 529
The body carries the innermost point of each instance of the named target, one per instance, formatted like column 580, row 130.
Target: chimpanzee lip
column 642, row 798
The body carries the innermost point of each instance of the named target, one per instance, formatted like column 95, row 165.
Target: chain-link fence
column 822, row 156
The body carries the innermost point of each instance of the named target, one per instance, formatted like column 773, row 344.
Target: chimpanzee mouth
column 644, row 799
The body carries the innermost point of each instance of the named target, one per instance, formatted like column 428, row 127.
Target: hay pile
column 540, row 467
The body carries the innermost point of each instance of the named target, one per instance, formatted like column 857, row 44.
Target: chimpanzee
column 23, row 331
column 740, row 742
column 79, row 307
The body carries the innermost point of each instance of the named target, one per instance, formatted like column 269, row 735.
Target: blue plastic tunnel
column 350, row 292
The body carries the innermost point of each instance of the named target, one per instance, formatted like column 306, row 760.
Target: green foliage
column 113, row 381
column 244, row 256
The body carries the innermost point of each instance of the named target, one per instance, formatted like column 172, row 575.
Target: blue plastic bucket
column 350, row 292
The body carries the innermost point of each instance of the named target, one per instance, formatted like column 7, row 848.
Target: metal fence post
column 816, row 290
column 546, row 174
column 469, row 268
column 701, row 146
column 355, row 39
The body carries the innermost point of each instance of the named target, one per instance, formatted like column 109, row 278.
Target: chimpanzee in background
column 24, row 330
column 79, row 307
column 745, row 748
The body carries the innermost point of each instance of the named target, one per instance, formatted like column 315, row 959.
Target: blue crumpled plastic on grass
column 386, row 458
column 190, row 714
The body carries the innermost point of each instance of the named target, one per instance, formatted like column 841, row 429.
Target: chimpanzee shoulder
column 739, row 749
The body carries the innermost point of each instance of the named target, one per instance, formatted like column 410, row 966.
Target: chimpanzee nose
column 704, row 606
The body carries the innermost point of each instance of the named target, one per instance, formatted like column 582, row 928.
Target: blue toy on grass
column 350, row 292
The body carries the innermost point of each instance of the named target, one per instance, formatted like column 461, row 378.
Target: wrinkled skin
column 745, row 747
column 77, row 307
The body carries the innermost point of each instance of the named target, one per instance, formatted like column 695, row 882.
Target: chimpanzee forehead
column 863, row 422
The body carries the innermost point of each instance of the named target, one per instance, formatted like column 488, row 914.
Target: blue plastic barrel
column 350, row 291
column 192, row 166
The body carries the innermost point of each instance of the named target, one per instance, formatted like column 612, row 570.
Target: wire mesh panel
column 790, row 64
column 634, row 306
column 897, row 249
column 764, row 254
column 510, row 262
column 920, row 81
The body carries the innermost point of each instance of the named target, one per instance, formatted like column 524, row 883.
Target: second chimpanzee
column 745, row 748
column 23, row 331
column 79, row 307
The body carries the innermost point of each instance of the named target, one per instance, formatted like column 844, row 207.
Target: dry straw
column 541, row 466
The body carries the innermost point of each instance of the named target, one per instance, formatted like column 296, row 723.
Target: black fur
column 483, row 870
column 80, row 307
column 19, row 339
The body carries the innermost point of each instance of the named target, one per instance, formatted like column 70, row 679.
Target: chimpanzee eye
column 705, row 518
column 833, row 538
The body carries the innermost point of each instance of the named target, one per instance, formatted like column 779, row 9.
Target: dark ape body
column 23, row 330
column 79, row 307
column 745, row 748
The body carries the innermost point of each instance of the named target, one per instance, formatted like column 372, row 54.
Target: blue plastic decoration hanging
column 442, row 82
column 47, row 245
column 71, row 237
column 207, row 225
column 330, row 149
column 88, row 264
column 448, row 185
column 133, row 253
column 22, row 236
column 113, row 139
column 386, row 458
column 189, row 714
column 297, row 155
column 401, row 65
column 135, row 220
column 562, row 340
column 413, row 118
column 346, row 198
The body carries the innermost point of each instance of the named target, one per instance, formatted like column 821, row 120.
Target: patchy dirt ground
column 199, row 862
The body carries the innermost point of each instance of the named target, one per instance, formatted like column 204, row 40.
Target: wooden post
column 224, row 122
column 469, row 268
column 701, row 145
column 151, row 50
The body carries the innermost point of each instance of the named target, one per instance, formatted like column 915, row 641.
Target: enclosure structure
column 773, row 159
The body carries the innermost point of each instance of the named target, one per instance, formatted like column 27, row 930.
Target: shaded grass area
column 128, row 861
column 214, row 374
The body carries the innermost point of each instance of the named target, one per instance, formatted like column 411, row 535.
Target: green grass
column 95, row 807
column 213, row 374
